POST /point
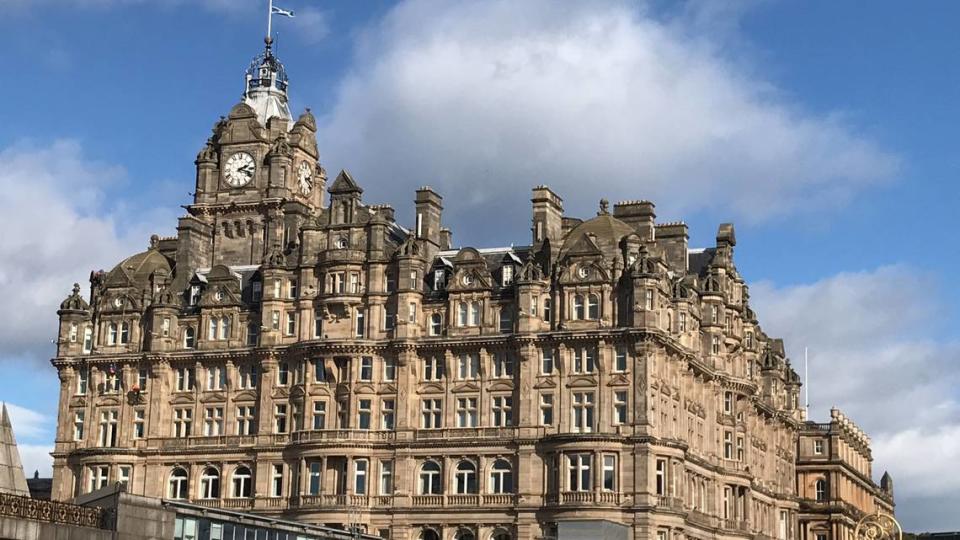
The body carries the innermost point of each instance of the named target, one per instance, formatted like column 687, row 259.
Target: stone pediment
column 215, row 397
column 545, row 382
column 467, row 387
column 109, row 401
column 500, row 386
column 297, row 392
column 582, row 381
column 245, row 395
column 182, row 399
column 364, row 389
column 618, row 379
column 281, row 392
column 344, row 183
column 388, row 389
column 323, row 391
column 430, row 388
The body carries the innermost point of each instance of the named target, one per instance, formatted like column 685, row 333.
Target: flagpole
column 269, row 19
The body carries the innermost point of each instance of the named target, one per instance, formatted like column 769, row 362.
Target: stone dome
column 139, row 267
column 606, row 232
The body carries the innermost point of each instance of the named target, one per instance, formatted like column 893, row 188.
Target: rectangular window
column 72, row 334
column 661, row 477
column 283, row 374
column 108, row 428
column 256, row 291
column 506, row 274
column 439, row 280
column 502, row 365
column 182, row 422
column 740, row 448
column 620, row 407
column 111, row 382
column 361, row 325
column 363, row 414
column 386, row 477
column 502, row 410
column 546, row 361
column 582, row 412
column 389, row 369
column 432, row 369
column 366, row 368
column 124, row 474
column 468, row 366
column 276, row 481
column 253, row 334
column 246, row 420
column 728, row 445
column 682, row 322
column 648, row 299
column 818, row 447
column 280, row 419
column 139, row 423
column 292, row 290
column 184, row 379
column 579, row 467
column 584, row 360
column 99, row 476
column 291, row 323
column 387, row 414
column 83, row 377
column 275, row 320
column 165, row 327
column 715, row 344
column 609, row 472
column 546, row 409
column 360, row 477
column 78, row 418
column 142, row 375
column 620, row 361
column 315, row 472
column 467, row 412
column 319, row 415
column 277, row 285
column 534, row 306
column 213, row 421
column 343, row 413
column 87, row 340
column 248, row 376
column 412, row 312
column 728, row 403
column 431, row 413
column 216, row 377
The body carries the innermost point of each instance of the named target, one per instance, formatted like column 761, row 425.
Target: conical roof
column 12, row 479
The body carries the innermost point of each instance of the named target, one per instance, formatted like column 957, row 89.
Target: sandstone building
column 299, row 352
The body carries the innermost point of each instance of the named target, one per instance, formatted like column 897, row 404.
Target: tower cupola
column 266, row 86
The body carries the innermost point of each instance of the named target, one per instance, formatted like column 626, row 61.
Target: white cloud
column 875, row 354
column 42, row 253
column 483, row 100
column 28, row 423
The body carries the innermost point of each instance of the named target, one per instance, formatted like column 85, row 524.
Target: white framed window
column 432, row 368
column 111, row 382
column 78, row 419
column 283, row 374
column 501, row 477
column 315, row 472
column 389, row 369
column 502, row 365
column 246, row 420
column 360, row 476
column 620, row 407
column 584, row 360
column 280, row 418
column 112, row 334
column 620, row 360
column 740, row 448
column 293, row 288
column 291, row 323
column 593, row 307
column 648, row 299
column 366, row 368
column 87, row 340
column 431, row 479
column 609, row 472
column 506, row 275
column 319, row 415
column 210, row 484
column 276, row 480
column 578, row 310
column 475, row 314
column 431, row 413
column 386, row 477
column 546, row 409
column 242, row 483
column 728, row 402
column 818, row 447
column 579, row 468
column 502, row 410
column 124, row 473
column 361, row 325
column 728, row 445
column 83, row 378
column 546, row 361
column 216, row 377
column 99, row 476
column 363, row 414
column 139, row 423
column 466, row 412
column 108, row 428
column 465, row 478
column 661, row 477
column 506, row 320
column 547, row 312
column 436, row 324
column 189, row 337
column 212, row 421
column 468, row 366
column 248, row 376
column 275, row 320
column 820, row 489
column 582, row 411
column 319, row 370
column 682, row 322
column 412, row 312
column 184, row 379
column 388, row 408
column 715, row 344
column 182, row 422
column 177, row 485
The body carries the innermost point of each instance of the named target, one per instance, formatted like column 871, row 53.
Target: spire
column 12, row 479
column 266, row 86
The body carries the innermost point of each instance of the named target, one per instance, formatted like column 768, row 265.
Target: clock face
column 239, row 170
column 467, row 280
column 117, row 302
column 305, row 177
column 583, row 272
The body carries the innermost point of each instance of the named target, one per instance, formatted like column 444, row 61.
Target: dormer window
column 194, row 295
column 256, row 291
column 439, row 279
column 506, row 275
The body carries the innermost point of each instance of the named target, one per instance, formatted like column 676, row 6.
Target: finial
column 604, row 205
column 76, row 289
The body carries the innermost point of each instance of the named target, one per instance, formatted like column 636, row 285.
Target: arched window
column 547, row 304
column 210, row 484
column 225, row 327
column 177, row 487
column 593, row 307
column 112, row 334
column 501, row 477
column 578, row 307
column 462, row 314
column 474, row 313
column 429, row 534
column 242, row 483
column 506, row 320
column 189, row 338
column 436, row 324
column 430, row 479
column 466, row 477
column 500, row 534
column 821, row 489
column 464, row 534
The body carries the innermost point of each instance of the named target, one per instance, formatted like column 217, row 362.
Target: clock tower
column 258, row 176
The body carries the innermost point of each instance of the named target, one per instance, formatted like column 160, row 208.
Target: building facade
column 298, row 352
column 835, row 479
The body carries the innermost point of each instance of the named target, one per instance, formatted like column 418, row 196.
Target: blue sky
column 826, row 131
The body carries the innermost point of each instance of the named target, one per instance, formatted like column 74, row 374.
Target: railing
column 463, row 500
column 585, row 497
column 670, row 503
column 467, row 433
column 700, row 518
column 428, row 500
column 331, row 435
column 736, row 525
column 56, row 512
column 189, row 442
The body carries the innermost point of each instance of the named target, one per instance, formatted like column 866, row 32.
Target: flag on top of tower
column 280, row 11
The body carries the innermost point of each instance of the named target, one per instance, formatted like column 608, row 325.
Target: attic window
column 506, row 275
column 439, row 280
column 194, row 295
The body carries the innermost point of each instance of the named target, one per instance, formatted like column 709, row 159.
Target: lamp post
column 878, row 526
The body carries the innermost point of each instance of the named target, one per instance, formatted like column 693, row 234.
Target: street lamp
column 878, row 526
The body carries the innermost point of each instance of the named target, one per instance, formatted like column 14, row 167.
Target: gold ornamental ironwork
column 878, row 526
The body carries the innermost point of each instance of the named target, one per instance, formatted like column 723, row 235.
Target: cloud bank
column 875, row 354
column 484, row 100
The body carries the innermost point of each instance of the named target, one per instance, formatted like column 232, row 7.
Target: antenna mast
column 268, row 39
